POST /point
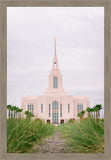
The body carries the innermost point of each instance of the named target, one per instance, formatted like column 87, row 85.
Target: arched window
column 55, row 82
column 60, row 110
column 55, row 115
column 79, row 108
column 68, row 108
column 41, row 108
column 30, row 108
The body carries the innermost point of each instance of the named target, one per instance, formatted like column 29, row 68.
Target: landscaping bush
column 84, row 137
column 71, row 120
column 24, row 133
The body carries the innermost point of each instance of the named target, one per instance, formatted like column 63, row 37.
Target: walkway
column 53, row 144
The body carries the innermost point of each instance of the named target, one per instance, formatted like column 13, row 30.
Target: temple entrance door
column 55, row 112
column 48, row 120
column 62, row 121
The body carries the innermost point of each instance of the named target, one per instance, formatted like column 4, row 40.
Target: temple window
column 79, row 108
column 55, row 82
column 68, row 108
column 60, row 110
column 41, row 108
column 30, row 108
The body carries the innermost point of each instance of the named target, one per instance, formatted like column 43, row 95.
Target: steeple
column 55, row 61
column 55, row 78
column 55, row 46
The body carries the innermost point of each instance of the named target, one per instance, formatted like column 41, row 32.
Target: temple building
column 55, row 105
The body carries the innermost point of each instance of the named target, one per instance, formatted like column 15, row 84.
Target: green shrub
column 84, row 137
column 102, row 120
column 24, row 133
column 71, row 120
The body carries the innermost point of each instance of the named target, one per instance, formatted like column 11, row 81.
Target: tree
column 99, row 107
column 20, row 110
column 88, row 110
column 81, row 114
column 95, row 112
column 17, row 110
column 14, row 108
column 91, row 111
column 9, row 109
column 29, row 115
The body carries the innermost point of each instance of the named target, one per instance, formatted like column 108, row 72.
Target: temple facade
column 55, row 105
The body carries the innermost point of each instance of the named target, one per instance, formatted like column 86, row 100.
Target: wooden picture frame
column 3, row 77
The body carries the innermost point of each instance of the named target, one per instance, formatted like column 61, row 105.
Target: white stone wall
column 55, row 94
column 61, row 99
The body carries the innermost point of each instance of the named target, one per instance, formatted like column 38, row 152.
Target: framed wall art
column 55, row 79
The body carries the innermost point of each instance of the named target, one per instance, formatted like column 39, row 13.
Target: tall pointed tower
column 55, row 105
column 55, row 78
column 55, row 61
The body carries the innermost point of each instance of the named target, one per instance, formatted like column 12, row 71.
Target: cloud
column 80, row 50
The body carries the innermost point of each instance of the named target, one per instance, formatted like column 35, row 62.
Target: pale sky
column 79, row 33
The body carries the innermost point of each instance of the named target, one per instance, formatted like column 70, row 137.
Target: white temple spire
column 55, row 46
column 55, row 62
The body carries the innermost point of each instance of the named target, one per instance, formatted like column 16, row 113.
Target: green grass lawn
column 23, row 134
column 84, row 137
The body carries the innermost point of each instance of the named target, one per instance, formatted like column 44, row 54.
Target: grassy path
column 53, row 144
column 25, row 136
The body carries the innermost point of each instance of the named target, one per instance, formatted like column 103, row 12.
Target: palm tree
column 17, row 110
column 95, row 112
column 99, row 107
column 29, row 115
column 81, row 114
column 91, row 111
column 88, row 110
column 9, row 109
column 14, row 108
column 20, row 110
column 96, row 109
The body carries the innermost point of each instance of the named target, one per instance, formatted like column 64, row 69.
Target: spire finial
column 55, row 62
column 55, row 46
